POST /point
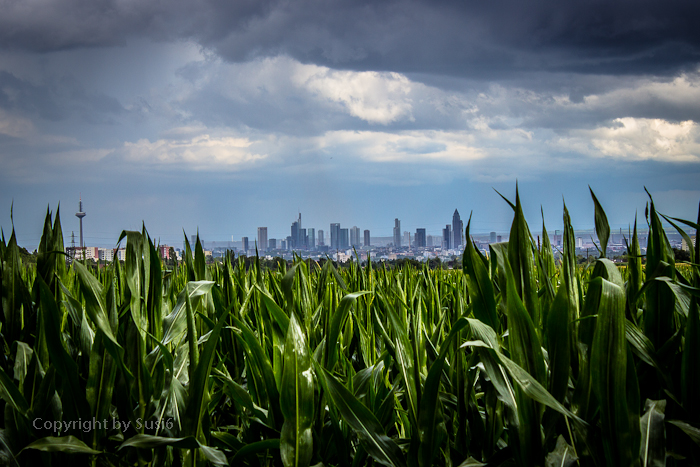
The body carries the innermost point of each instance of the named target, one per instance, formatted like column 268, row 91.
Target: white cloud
column 201, row 152
column 405, row 146
column 371, row 96
column 678, row 92
column 638, row 139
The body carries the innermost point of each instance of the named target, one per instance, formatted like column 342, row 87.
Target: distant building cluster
column 82, row 252
column 345, row 243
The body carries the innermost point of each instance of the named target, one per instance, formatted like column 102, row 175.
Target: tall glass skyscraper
column 397, row 233
column 457, row 229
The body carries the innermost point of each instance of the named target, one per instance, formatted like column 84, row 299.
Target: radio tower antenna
column 80, row 214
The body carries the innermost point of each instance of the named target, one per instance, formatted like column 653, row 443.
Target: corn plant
column 516, row 359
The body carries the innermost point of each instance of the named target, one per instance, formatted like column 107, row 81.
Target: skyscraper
column 344, row 240
column 262, row 238
column 355, row 236
column 367, row 238
column 420, row 238
column 244, row 244
column 321, row 240
column 311, row 243
column 298, row 235
column 492, row 237
column 456, row 230
column 335, row 236
column 447, row 237
column 397, row 233
column 272, row 244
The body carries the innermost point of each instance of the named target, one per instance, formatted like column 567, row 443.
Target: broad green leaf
column 67, row 444
column 562, row 456
column 175, row 324
column 480, row 289
column 609, row 376
column 653, row 445
column 371, row 433
column 338, row 320
column 602, row 228
column 296, row 399
column 142, row 441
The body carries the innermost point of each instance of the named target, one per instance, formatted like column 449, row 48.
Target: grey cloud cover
column 355, row 112
column 464, row 37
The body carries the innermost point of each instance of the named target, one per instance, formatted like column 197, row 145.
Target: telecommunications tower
column 80, row 214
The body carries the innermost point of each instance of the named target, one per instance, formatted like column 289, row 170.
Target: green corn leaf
column 75, row 405
column 521, row 258
column 66, row 444
column 338, row 320
column 175, row 324
column 255, row 448
column 12, row 395
column 609, row 376
column 261, row 372
column 653, row 445
column 431, row 427
column 602, row 228
column 405, row 361
column 559, row 345
column 383, row 449
column 296, row 399
column 142, row 441
column 690, row 359
column 562, row 456
column 100, row 384
column 688, row 429
column 96, row 309
column 480, row 287
column 658, row 323
column 274, row 309
column 196, row 414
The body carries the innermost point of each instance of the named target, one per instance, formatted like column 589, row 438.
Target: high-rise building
column 492, row 237
column 335, row 236
column 447, row 237
column 406, row 240
column 367, row 241
column 397, row 233
column 244, row 244
column 355, row 236
column 262, row 238
column 298, row 235
column 321, row 240
column 430, row 240
column 457, row 230
column 420, row 241
column 272, row 244
column 289, row 242
column 344, row 240
column 311, row 235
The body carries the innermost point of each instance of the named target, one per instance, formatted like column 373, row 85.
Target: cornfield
column 515, row 360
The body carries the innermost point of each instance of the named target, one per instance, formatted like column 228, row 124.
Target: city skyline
column 222, row 117
column 356, row 238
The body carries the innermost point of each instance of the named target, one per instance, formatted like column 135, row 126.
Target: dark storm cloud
column 486, row 39
column 60, row 98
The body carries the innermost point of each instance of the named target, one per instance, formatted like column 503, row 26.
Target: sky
column 222, row 116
